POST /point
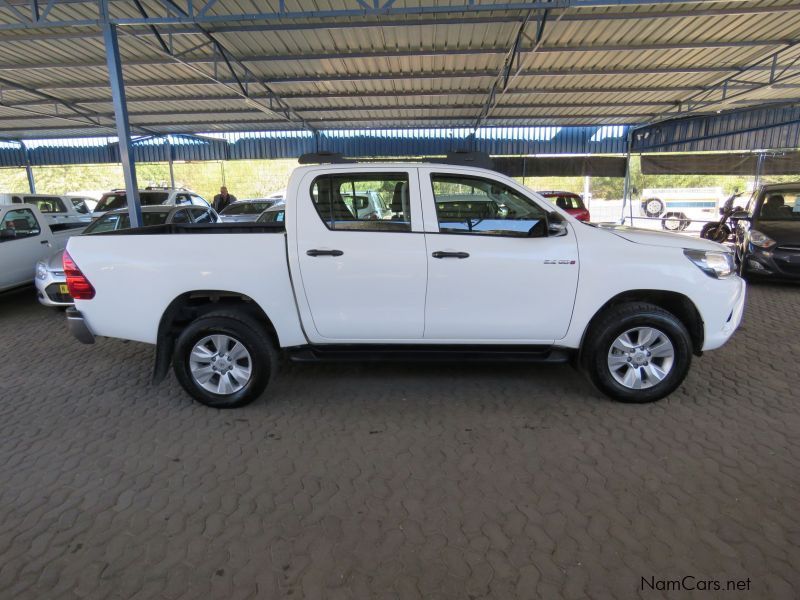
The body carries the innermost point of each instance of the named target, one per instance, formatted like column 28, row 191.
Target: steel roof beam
column 233, row 97
column 178, row 30
column 361, row 109
column 22, row 17
column 433, row 52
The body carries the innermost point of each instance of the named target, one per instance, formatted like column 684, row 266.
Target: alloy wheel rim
column 220, row 364
column 641, row 358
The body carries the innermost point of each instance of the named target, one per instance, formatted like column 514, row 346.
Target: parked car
column 274, row 214
column 327, row 285
column 570, row 202
column 150, row 196
column 60, row 212
column 244, row 211
column 50, row 280
column 367, row 205
column 768, row 233
column 26, row 238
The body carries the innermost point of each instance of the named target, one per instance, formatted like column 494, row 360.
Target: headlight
column 759, row 239
column 714, row 264
column 41, row 271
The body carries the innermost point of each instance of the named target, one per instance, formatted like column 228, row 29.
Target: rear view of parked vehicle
column 570, row 202
column 244, row 211
column 151, row 196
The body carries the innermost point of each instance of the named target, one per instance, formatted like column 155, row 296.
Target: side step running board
column 427, row 353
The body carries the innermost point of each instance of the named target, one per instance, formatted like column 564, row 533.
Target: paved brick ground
column 394, row 482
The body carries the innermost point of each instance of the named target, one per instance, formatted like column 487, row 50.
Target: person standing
column 223, row 199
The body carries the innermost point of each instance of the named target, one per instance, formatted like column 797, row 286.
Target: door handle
column 315, row 252
column 440, row 254
column 44, row 242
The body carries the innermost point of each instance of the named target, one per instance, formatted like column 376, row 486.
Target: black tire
column 613, row 323
column 672, row 219
column 653, row 207
column 241, row 327
column 715, row 232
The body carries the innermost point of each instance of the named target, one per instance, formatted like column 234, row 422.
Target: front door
column 363, row 276
column 495, row 273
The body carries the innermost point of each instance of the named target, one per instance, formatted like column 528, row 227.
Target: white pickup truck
column 25, row 239
column 470, row 265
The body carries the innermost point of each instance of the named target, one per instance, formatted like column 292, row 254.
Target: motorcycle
column 719, row 231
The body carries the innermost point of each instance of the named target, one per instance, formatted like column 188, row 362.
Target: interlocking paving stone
column 395, row 481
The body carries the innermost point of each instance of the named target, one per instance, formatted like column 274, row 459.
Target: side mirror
column 556, row 227
column 741, row 215
column 7, row 234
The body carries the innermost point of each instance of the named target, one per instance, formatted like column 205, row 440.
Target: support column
column 121, row 118
column 627, row 187
column 28, row 169
column 171, row 160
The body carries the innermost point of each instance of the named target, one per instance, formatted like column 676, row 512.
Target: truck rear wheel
column 224, row 359
column 637, row 352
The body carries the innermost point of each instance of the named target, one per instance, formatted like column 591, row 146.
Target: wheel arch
column 189, row 306
column 676, row 303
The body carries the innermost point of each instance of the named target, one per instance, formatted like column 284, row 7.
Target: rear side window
column 20, row 223
column 47, row 205
column 181, row 216
column 112, row 202
column 343, row 201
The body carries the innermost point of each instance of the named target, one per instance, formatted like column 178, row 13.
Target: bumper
column 78, row 328
column 778, row 263
column 719, row 331
column 48, row 290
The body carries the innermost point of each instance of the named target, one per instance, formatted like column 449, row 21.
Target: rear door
column 494, row 272
column 361, row 279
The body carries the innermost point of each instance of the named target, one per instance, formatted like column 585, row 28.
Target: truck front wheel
column 224, row 359
column 637, row 352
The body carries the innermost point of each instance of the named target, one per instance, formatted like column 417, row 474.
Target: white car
column 244, row 211
column 60, row 212
column 526, row 281
column 50, row 280
column 150, row 196
column 25, row 239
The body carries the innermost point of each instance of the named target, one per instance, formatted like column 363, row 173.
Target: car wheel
column 224, row 359
column 637, row 352
column 671, row 222
column 653, row 207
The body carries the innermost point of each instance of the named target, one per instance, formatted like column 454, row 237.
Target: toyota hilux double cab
column 510, row 278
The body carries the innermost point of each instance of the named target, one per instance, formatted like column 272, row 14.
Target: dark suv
column 768, row 233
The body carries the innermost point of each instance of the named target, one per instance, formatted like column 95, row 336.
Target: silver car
column 245, row 211
column 51, row 283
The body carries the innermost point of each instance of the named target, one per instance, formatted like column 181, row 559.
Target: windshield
column 118, row 200
column 116, row 221
column 80, row 206
column 779, row 206
column 246, row 208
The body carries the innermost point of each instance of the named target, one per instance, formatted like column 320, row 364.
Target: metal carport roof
column 226, row 65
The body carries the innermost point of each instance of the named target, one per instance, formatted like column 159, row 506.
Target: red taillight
column 79, row 287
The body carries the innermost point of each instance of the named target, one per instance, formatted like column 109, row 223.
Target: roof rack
column 459, row 157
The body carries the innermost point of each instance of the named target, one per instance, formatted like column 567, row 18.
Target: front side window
column 203, row 215
column 779, row 206
column 80, row 206
column 355, row 201
column 109, row 222
column 17, row 224
column 473, row 205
